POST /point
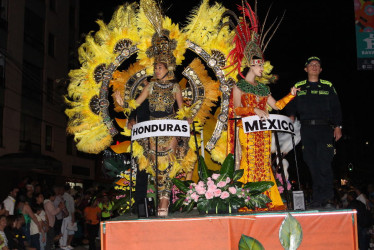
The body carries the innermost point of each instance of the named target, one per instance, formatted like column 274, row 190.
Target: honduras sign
column 156, row 128
column 279, row 123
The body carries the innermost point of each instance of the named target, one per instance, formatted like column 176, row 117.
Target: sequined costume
column 161, row 106
column 255, row 148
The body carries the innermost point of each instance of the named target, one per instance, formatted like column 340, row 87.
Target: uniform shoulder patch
column 326, row 82
column 298, row 84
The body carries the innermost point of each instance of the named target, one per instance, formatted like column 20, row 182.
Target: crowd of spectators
column 37, row 216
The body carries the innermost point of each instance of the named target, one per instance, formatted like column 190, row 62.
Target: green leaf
column 258, row 202
column 190, row 206
column 120, row 202
column 203, row 169
column 227, row 169
column 258, row 187
column 177, row 205
column 249, row 243
column 202, row 205
column 113, row 165
column 235, row 201
column 181, row 185
column 290, row 233
column 181, row 195
column 264, row 198
column 212, row 204
column 238, row 174
column 152, row 187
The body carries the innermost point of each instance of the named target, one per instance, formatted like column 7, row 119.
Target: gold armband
column 284, row 101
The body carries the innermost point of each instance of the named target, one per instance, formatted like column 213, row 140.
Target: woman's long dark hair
column 244, row 72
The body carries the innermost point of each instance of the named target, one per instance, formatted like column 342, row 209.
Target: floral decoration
column 221, row 191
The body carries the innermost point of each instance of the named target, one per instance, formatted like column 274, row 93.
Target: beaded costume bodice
column 161, row 98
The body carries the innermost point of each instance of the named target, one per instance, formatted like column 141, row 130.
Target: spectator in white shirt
column 10, row 201
column 51, row 212
column 68, row 223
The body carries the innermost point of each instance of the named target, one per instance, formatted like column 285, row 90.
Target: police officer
column 318, row 108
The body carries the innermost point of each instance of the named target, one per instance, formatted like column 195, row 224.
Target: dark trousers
column 92, row 231
column 35, row 243
column 318, row 153
column 50, row 237
column 57, row 226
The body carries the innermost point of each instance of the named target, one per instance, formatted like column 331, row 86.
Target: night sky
column 310, row 28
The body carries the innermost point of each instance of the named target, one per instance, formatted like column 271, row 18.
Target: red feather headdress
column 249, row 38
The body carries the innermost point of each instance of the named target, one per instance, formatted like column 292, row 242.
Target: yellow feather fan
column 204, row 28
column 95, row 54
column 119, row 80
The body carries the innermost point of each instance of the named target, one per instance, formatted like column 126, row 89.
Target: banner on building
column 364, row 19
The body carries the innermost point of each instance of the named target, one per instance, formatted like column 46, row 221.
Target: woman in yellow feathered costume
column 162, row 92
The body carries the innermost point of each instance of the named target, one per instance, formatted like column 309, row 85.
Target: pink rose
column 288, row 186
column 280, row 189
column 232, row 190
column 228, row 180
column 200, row 190
column 225, row 195
column 221, row 184
column 194, row 197
column 210, row 183
column 209, row 195
column 215, row 176
column 201, row 184
column 217, row 193
column 212, row 188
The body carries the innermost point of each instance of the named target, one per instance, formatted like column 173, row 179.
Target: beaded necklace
column 259, row 90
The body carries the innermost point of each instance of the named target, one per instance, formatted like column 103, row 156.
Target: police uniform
column 318, row 108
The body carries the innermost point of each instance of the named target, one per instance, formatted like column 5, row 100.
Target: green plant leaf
column 181, row 195
column 258, row 187
column 238, row 174
column 290, row 233
column 113, row 165
column 222, row 207
column 152, row 187
column 256, row 201
column 227, row 169
column 120, row 202
column 202, row 205
column 181, row 185
column 177, row 205
column 235, row 201
column 190, row 206
column 264, row 197
column 203, row 169
column 249, row 243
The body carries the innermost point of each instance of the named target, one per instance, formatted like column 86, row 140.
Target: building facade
column 38, row 44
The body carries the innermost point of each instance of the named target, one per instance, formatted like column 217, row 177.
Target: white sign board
column 155, row 128
column 279, row 123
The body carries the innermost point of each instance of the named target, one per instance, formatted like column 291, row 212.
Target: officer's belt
column 315, row 122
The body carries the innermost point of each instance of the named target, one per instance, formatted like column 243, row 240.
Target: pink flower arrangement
column 212, row 189
column 220, row 192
